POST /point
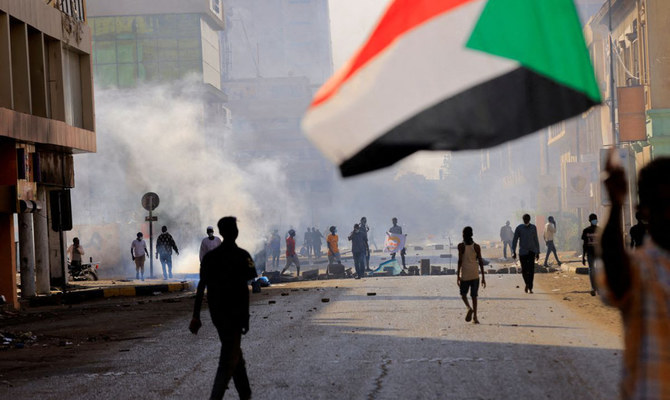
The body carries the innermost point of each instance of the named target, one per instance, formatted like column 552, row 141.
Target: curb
column 125, row 291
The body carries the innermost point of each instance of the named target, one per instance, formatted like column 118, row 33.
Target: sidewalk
column 80, row 291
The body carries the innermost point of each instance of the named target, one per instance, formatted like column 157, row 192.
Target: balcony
column 74, row 8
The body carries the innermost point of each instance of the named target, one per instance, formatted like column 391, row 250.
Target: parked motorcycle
column 86, row 272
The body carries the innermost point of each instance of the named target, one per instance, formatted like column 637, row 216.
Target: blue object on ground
column 390, row 264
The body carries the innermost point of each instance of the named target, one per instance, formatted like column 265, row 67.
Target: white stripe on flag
column 425, row 66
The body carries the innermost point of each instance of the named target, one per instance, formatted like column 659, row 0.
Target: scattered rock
column 325, row 300
column 271, row 302
column 566, row 298
column 284, row 294
column 372, row 293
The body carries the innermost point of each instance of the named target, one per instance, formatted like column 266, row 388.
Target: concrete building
column 46, row 116
column 635, row 116
column 277, row 53
column 154, row 41
column 173, row 44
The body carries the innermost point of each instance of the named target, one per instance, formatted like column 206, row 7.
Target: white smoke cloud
column 155, row 138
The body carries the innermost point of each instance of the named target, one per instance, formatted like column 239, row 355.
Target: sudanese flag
column 453, row 75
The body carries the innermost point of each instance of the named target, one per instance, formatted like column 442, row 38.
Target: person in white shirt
column 209, row 243
column 138, row 251
column 549, row 232
column 74, row 252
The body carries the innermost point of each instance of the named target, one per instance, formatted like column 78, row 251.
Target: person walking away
column 506, row 236
column 209, row 243
column 317, row 242
column 638, row 231
column 275, row 249
column 638, row 281
column 589, row 244
column 224, row 272
column 139, row 252
column 549, row 232
column 529, row 250
column 358, row 249
column 397, row 229
column 332, row 242
column 164, row 246
column 307, row 242
column 74, row 253
column 470, row 263
column 291, row 255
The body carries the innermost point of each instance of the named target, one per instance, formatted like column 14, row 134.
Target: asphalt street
column 375, row 338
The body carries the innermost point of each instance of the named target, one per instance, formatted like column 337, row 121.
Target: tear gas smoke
column 155, row 138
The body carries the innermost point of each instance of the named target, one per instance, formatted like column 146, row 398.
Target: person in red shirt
column 291, row 255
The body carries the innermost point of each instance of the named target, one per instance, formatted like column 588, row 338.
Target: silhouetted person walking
column 589, row 244
column 138, row 251
column 549, row 232
column 224, row 272
column 358, row 250
column 470, row 263
column 164, row 246
column 275, row 244
column 506, row 236
column 529, row 250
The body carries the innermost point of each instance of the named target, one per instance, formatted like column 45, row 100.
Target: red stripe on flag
column 400, row 17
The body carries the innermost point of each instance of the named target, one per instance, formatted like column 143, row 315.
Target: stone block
column 425, row 266
column 582, row 270
column 439, row 247
column 503, row 271
column 311, row 274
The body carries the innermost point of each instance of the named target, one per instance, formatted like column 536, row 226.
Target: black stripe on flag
column 508, row 107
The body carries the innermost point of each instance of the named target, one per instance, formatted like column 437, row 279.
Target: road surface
column 409, row 340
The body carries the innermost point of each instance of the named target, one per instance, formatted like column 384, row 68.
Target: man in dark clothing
column 307, row 242
column 506, row 236
column 225, row 272
column 275, row 243
column 316, row 242
column 638, row 231
column 529, row 250
column 164, row 246
column 358, row 249
column 589, row 243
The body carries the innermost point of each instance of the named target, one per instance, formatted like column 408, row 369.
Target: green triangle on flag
column 542, row 35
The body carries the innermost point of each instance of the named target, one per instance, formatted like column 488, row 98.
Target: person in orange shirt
column 638, row 282
column 333, row 248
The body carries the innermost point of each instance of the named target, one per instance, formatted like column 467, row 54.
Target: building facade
column 276, row 54
column 633, row 119
column 140, row 45
column 46, row 116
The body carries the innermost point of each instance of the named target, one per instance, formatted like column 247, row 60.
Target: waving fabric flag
column 394, row 242
column 453, row 75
